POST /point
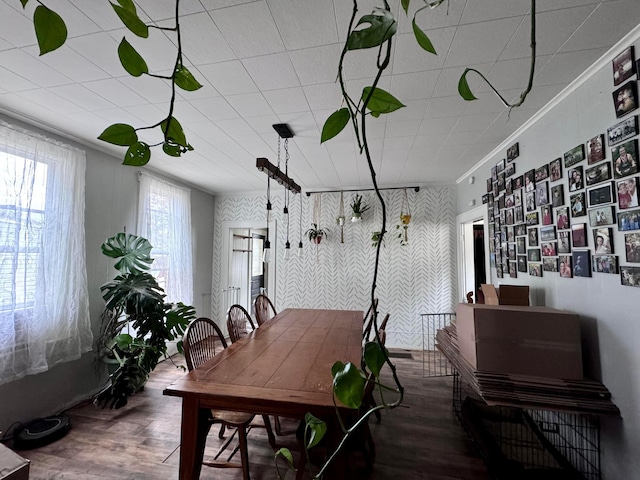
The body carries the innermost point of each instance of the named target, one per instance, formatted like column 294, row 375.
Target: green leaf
column 133, row 252
column 130, row 18
column 422, row 38
column 24, row 3
column 123, row 341
column 185, row 80
column 405, row 5
column 172, row 149
column 335, row 124
column 348, row 385
column 51, row 30
column 137, row 155
column 175, row 134
column 317, row 427
column 463, row 87
column 119, row 134
column 374, row 356
column 128, row 5
column 381, row 101
column 131, row 60
column 286, row 454
column 382, row 27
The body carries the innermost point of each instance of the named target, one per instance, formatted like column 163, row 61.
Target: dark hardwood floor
column 421, row 439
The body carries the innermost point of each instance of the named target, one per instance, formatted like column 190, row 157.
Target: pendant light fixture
column 287, row 245
column 300, row 251
column 266, row 254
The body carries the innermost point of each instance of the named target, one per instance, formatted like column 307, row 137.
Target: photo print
column 624, row 66
column 595, row 149
column 579, row 235
column 549, row 249
column 541, row 173
column 629, row 220
column 547, row 217
column 601, row 195
column 597, row 174
column 578, row 208
column 555, row 169
column 513, row 152
column 547, row 233
column 542, row 193
column 535, row 269
column 581, row 263
column 530, row 201
column 625, row 99
column 575, row 179
column 605, row 263
column 564, row 266
column 632, row 247
column 602, row 216
column 621, row 131
column 532, row 218
column 630, row 276
column 550, row 264
column 530, row 181
column 522, row 263
column 602, row 241
column 564, row 242
column 562, row 218
column 533, row 255
column 625, row 159
column 628, row 193
column 557, row 195
column 533, row 237
column 573, row 156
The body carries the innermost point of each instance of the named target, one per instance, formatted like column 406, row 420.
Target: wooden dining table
column 282, row 368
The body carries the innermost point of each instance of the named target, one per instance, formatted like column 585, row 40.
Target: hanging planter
column 315, row 234
column 358, row 208
column 340, row 219
column 405, row 219
column 375, row 239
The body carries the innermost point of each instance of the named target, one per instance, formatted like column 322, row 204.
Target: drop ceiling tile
column 165, row 9
column 116, row 91
column 482, row 11
column 153, row 90
column 216, row 4
column 323, row 96
column 116, row 115
column 78, row 24
column 316, row 65
column 480, row 42
column 410, row 57
column 445, row 107
column 287, row 100
column 249, row 29
column 414, row 86
column 199, row 36
column 262, row 125
column 270, row 72
column 235, row 127
column 427, row 142
column 250, row 104
column 565, row 67
column 100, row 49
column 228, row 78
column 83, row 97
column 150, row 115
column 488, row 102
column 187, row 113
column 52, row 101
column 304, row 23
column 69, row 63
column 414, row 110
column 16, row 27
column 26, row 66
column 508, row 74
column 158, row 50
column 437, row 126
column 216, row 108
column 474, row 123
column 403, row 128
column 14, row 83
column 358, row 64
column 447, row 14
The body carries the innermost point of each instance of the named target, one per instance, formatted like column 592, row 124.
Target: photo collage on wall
column 561, row 217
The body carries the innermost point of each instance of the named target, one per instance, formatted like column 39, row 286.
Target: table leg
column 193, row 436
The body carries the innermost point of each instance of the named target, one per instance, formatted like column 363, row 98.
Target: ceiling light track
column 417, row 189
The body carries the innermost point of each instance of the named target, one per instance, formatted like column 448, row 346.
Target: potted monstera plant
column 136, row 323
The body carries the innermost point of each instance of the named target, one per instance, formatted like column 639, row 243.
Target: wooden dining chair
column 238, row 323
column 367, row 321
column 264, row 309
column 201, row 340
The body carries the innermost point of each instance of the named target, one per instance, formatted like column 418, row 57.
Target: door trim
column 478, row 213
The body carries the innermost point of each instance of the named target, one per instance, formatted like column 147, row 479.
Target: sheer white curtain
column 164, row 218
column 44, row 307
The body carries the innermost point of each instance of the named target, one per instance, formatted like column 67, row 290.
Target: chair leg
column 244, row 454
column 222, row 430
column 270, row 436
column 278, row 427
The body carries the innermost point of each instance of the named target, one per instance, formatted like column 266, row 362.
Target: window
column 164, row 218
column 44, row 310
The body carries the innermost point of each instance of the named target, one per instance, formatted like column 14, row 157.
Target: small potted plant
column 315, row 234
column 375, row 239
column 358, row 208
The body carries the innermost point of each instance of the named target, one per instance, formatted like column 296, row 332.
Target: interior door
column 257, row 268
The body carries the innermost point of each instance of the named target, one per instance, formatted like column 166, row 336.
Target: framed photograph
column 530, row 201
column 533, row 237
column 550, row 264
column 535, row 269
column 510, row 235
column 517, row 183
column 542, row 173
column 605, row 263
column 629, row 220
column 517, row 198
column 521, row 247
column 522, row 263
column 512, row 251
column 508, row 188
column 485, row 198
column 581, row 263
column 542, row 193
column 555, row 169
column 603, row 241
column 564, row 242
column 513, row 152
column 625, row 159
column 621, row 131
column 521, row 230
column 601, row 194
column 602, row 216
column 511, row 169
column 573, row 156
column 624, row 66
column 513, row 270
column 575, row 179
column 489, row 185
column 597, row 174
column 564, row 266
column 509, row 201
column 577, row 202
column 518, row 215
column 579, row 235
column 630, row 276
column 549, row 249
column 632, row 247
column 557, row 195
column 532, row 218
column 500, row 165
column 547, row 217
column 562, row 218
column 625, row 99
column 502, row 203
column 595, row 149
column 547, row 233
column 628, row 193
column 533, row 255
column 508, row 216
column 500, row 182
column 499, row 270
column 530, row 181
column 494, row 173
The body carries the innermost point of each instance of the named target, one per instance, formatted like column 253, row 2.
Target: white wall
column 608, row 310
column 111, row 204
column 413, row 279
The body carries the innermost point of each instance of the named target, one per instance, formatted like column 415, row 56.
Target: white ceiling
column 274, row 61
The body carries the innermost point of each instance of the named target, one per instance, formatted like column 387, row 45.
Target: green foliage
column 129, row 16
column 463, row 87
column 380, row 101
column 357, row 206
column 137, row 155
column 375, row 356
column 173, row 132
column 314, row 233
column 422, row 38
column 348, row 384
column 382, row 26
column 405, row 5
column 131, row 60
column 185, row 80
column 133, row 252
column 119, row 134
column 335, row 124
column 315, row 430
column 51, row 31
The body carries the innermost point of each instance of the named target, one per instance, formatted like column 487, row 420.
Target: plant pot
column 340, row 221
column 317, row 239
column 405, row 218
column 356, row 217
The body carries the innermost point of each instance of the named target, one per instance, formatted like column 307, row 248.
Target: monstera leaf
column 133, row 252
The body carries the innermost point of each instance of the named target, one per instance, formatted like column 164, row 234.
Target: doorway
column 473, row 254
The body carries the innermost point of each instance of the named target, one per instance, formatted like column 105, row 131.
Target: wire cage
column 434, row 364
column 531, row 444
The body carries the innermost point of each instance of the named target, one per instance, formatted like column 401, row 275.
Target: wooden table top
column 282, row 368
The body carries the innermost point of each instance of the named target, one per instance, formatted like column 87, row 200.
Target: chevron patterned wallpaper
column 413, row 279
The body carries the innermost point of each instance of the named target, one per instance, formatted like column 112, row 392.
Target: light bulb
column 287, row 252
column 266, row 254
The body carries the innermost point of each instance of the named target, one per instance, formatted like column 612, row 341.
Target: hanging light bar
column 274, row 171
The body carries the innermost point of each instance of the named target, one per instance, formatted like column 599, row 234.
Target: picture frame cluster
column 561, row 217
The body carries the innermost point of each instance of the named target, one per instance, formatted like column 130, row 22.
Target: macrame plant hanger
column 317, row 215
column 405, row 218
column 341, row 219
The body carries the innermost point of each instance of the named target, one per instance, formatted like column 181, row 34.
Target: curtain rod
column 417, row 189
